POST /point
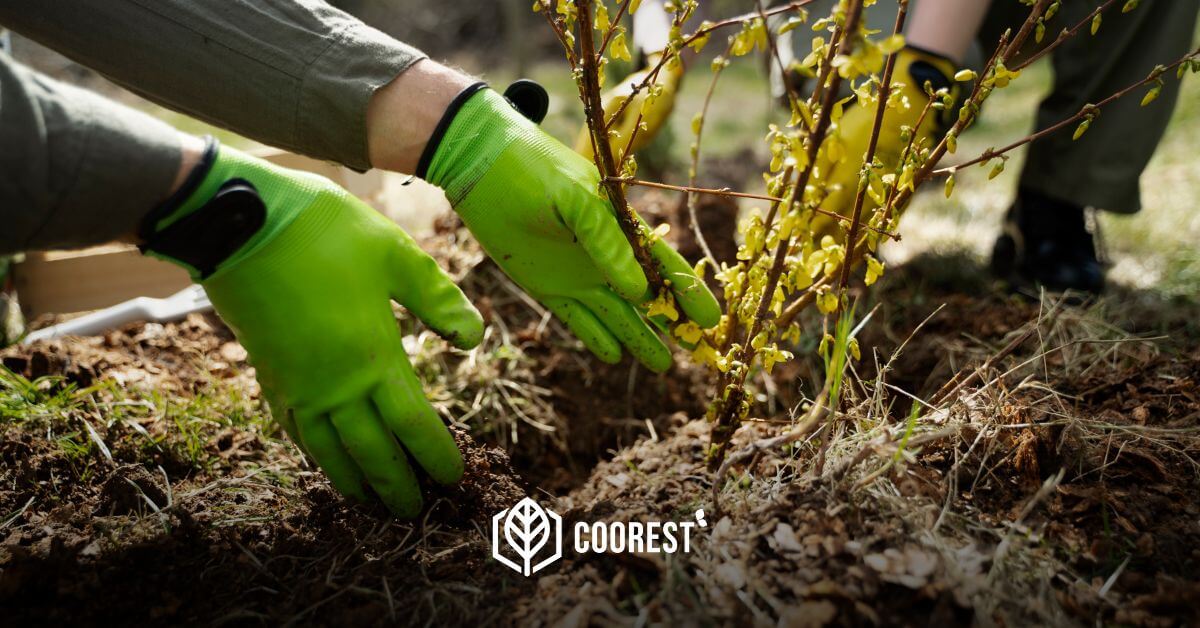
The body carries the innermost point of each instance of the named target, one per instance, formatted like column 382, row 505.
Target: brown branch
column 1064, row 35
column 814, row 419
column 589, row 87
column 774, row 210
column 732, row 321
column 976, row 97
column 696, row 190
column 612, row 29
column 1083, row 112
column 825, row 66
column 773, row 52
column 692, row 197
column 885, row 88
column 560, row 31
column 730, row 406
column 700, row 32
column 1022, row 35
column 904, row 156
column 731, row 193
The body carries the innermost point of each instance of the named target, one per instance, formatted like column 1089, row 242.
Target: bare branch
column 589, row 86
column 1086, row 110
column 885, row 89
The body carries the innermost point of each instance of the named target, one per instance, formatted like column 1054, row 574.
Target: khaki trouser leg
column 1102, row 168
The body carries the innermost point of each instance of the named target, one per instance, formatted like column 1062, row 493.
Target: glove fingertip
column 631, row 286
column 606, row 356
column 447, row 467
column 468, row 333
column 701, row 306
column 406, row 506
column 449, row 473
column 660, row 362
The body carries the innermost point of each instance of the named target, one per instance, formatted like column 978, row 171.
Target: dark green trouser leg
column 1102, row 168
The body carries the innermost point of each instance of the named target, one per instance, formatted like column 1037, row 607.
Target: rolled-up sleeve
column 75, row 168
column 297, row 74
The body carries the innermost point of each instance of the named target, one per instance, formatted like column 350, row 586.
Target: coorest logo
column 533, row 536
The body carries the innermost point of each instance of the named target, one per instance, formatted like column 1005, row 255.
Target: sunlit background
column 502, row 41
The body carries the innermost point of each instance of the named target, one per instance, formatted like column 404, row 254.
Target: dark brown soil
column 221, row 521
column 598, row 408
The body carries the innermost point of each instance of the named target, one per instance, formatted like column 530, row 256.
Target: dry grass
column 959, row 514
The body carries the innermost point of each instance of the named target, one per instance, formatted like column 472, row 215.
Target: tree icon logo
column 528, row 529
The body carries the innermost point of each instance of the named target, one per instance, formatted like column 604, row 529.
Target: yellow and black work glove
column 840, row 169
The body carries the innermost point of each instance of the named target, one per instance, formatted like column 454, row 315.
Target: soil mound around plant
column 141, row 481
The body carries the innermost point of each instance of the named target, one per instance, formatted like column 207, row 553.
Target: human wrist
column 946, row 27
column 402, row 115
column 191, row 151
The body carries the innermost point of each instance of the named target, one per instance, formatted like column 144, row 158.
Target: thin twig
column 885, row 89
column 773, row 53
column 814, row 419
column 732, row 193
column 700, row 32
column 612, row 29
column 720, row 64
column 1064, row 35
column 957, row 383
column 1086, row 110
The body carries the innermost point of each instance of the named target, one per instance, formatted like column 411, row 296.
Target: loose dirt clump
column 171, row 358
column 1070, row 520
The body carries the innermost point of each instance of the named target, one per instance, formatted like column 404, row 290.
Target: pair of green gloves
column 305, row 274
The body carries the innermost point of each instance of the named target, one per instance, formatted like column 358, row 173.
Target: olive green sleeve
column 75, row 168
column 296, row 74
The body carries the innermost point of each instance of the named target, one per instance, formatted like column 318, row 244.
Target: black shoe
column 1046, row 243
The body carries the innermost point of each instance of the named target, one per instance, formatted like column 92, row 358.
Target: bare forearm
column 403, row 114
column 946, row 27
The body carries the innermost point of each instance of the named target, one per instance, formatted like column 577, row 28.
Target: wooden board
column 65, row 282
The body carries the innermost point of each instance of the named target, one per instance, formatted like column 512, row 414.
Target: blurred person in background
column 1046, row 238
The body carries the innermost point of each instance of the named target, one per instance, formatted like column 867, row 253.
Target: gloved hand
column 535, row 207
column 913, row 68
column 655, row 115
column 305, row 274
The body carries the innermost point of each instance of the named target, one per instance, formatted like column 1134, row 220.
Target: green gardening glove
column 305, row 274
column 535, row 207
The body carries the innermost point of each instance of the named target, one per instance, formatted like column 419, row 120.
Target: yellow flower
column 663, row 305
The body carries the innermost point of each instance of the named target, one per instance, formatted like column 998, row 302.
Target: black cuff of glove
column 923, row 71
column 149, row 224
column 443, row 125
column 525, row 95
